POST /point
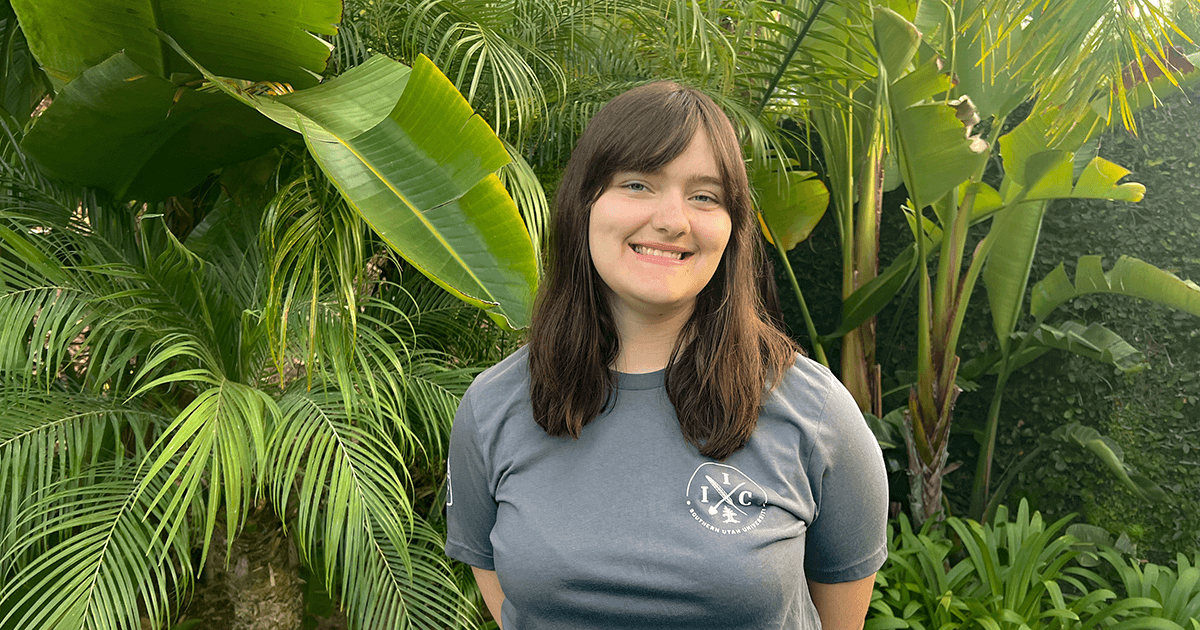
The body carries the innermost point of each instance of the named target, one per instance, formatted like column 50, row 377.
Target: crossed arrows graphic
column 725, row 496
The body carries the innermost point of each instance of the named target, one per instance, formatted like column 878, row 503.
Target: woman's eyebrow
column 706, row 180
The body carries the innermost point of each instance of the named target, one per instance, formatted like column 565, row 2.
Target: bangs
column 642, row 134
column 652, row 137
column 642, row 131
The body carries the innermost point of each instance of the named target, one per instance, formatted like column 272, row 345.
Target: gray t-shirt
column 629, row 527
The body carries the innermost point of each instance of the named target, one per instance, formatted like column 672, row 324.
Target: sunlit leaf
column 1129, row 276
column 420, row 171
column 791, row 204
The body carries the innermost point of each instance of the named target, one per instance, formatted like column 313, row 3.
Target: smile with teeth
column 650, row 251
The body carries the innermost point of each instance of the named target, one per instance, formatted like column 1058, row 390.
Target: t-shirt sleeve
column 847, row 539
column 470, row 506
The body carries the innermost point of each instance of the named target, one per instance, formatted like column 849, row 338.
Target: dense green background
column 1154, row 415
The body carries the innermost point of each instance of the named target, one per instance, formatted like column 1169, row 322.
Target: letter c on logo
column 744, row 497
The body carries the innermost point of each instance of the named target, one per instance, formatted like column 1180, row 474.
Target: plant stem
column 818, row 349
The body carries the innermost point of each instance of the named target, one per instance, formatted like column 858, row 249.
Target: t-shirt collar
column 648, row 380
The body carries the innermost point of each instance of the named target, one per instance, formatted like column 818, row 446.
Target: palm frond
column 525, row 189
column 58, row 328
column 1071, row 51
column 106, row 560
column 92, row 300
column 352, row 504
column 436, row 321
column 47, row 437
column 475, row 44
column 434, row 391
column 685, row 38
column 568, row 116
column 315, row 246
column 350, row 48
column 39, row 338
column 212, row 451
column 818, row 66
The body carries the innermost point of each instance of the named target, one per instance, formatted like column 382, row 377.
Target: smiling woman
column 656, row 238
column 659, row 455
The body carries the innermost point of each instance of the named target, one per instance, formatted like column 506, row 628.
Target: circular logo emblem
column 724, row 500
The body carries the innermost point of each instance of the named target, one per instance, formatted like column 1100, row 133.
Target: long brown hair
column 728, row 354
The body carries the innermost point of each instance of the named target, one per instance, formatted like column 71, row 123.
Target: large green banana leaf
column 790, row 204
column 122, row 122
column 1015, row 228
column 407, row 152
column 1129, row 276
column 1092, row 341
column 120, row 128
column 1014, row 232
column 871, row 297
column 936, row 154
column 1113, row 457
column 257, row 40
column 1040, row 164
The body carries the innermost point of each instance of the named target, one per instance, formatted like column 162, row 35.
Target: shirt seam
column 853, row 567
column 452, row 545
column 823, row 415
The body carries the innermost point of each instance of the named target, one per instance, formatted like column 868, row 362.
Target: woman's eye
column 635, row 186
column 706, row 199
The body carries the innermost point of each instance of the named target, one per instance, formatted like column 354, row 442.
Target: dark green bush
column 1154, row 415
column 1022, row 573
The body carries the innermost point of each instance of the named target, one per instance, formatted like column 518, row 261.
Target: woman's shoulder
column 509, row 376
column 810, row 390
column 806, row 375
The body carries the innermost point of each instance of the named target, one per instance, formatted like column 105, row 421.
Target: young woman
column 659, row 455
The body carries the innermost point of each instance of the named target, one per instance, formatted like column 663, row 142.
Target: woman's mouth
column 650, row 251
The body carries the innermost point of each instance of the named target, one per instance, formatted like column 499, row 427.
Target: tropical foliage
column 195, row 351
column 1020, row 572
column 939, row 73
column 215, row 217
column 152, row 399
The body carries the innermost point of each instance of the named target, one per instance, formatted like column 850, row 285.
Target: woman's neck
column 647, row 340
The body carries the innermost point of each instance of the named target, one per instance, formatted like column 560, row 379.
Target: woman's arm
column 489, row 587
column 840, row 606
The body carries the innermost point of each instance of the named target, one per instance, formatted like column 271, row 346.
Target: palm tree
column 272, row 364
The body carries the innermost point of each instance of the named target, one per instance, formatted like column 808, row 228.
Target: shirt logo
column 725, row 500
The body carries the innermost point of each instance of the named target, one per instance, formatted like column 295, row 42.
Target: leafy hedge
column 1154, row 415
column 1024, row 573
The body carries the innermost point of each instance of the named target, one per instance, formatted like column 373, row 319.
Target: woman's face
column 656, row 238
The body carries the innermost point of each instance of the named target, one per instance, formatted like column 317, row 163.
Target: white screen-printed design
column 725, row 500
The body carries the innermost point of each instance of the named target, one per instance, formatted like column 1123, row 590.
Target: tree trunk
column 258, row 586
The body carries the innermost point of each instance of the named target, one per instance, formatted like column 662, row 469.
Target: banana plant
column 1039, row 158
column 429, row 205
column 160, row 136
column 850, row 116
column 1128, row 277
column 409, row 155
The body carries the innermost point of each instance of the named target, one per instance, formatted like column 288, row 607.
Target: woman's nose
column 669, row 216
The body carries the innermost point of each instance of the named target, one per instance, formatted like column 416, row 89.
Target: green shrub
column 1177, row 594
column 1021, row 574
